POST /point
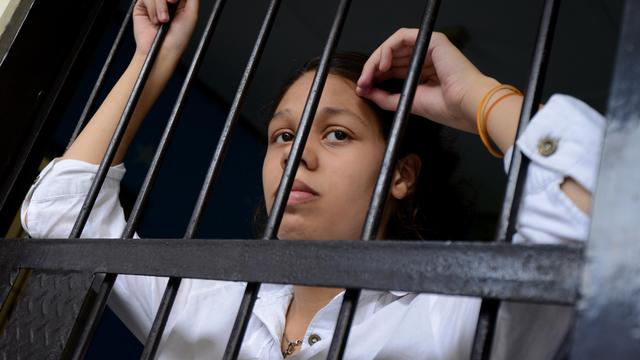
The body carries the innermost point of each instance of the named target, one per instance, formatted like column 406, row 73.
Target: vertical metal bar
column 531, row 102
column 22, row 319
column 280, row 202
column 232, row 117
column 381, row 190
column 485, row 329
column 284, row 188
column 103, row 73
column 120, row 130
column 517, row 169
column 109, row 280
column 106, row 285
column 173, row 285
column 85, row 325
column 608, row 321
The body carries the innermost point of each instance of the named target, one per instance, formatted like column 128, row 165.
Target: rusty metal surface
column 40, row 322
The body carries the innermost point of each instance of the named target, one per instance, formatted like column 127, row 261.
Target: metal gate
column 600, row 280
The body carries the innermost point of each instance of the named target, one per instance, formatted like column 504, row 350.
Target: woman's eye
column 337, row 135
column 284, row 137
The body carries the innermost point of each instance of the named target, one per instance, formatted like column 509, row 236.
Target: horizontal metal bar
column 536, row 273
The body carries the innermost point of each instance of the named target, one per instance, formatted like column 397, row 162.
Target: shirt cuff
column 564, row 136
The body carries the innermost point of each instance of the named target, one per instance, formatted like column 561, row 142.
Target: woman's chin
column 294, row 233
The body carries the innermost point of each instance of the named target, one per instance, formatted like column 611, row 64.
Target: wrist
column 472, row 98
column 163, row 66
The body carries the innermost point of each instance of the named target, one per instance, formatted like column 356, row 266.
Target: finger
column 399, row 44
column 150, row 5
column 399, row 72
column 162, row 11
column 402, row 38
column 401, row 61
column 383, row 99
column 368, row 70
column 378, row 63
column 403, row 51
column 386, row 59
column 191, row 6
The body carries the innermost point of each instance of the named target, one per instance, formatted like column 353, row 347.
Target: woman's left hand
column 450, row 85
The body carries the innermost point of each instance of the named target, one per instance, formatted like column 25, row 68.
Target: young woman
column 330, row 197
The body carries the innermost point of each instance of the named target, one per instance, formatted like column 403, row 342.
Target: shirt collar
column 271, row 307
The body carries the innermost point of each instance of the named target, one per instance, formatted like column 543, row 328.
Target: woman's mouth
column 301, row 193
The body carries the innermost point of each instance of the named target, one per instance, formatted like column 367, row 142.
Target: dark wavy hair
column 440, row 207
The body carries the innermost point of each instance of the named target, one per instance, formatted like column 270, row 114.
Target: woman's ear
column 405, row 176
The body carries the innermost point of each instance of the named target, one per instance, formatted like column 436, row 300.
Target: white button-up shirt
column 387, row 324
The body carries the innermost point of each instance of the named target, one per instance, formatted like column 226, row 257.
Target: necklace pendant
column 291, row 347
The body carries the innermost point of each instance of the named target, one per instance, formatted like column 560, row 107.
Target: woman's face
column 339, row 166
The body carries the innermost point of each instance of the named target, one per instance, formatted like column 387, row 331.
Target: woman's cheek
column 269, row 176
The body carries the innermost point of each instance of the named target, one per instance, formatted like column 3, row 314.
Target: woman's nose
column 309, row 158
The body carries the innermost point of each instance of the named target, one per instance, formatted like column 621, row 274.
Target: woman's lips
column 301, row 193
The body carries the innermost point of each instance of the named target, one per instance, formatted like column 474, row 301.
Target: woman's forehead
column 338, row 96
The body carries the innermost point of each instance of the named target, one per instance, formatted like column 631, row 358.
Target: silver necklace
column 291, row 346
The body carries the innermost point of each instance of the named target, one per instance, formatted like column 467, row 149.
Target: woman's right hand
column 148, row 15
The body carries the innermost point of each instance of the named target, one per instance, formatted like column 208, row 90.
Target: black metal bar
column 288, row 176
column 608, row 322
column 160, row 321
column 166, row 303
column 85, row 326
column 103, row 72
column 176, row 113
column 108, row 281
column 242, row 320
column 234, row 113
column 343, row 324
column 29, row 109
column 280, row 202
column 120, row 130
column 517, row 169
column 381, row 190
column 7, row 277
column 531, row 102
column 537, row 273
column 485, row 329
column 216, row 163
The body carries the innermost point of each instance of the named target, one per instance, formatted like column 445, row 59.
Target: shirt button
column 547, row 146
column 314, row 338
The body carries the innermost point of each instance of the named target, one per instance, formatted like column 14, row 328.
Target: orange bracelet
column 482, row 114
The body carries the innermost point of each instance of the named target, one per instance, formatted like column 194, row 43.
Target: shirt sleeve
column 50, row 210
column 52, row 204
column 563, row 140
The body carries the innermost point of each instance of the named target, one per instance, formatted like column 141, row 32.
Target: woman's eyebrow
column 282, row 113
column 331, row 111
column 325, row 111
